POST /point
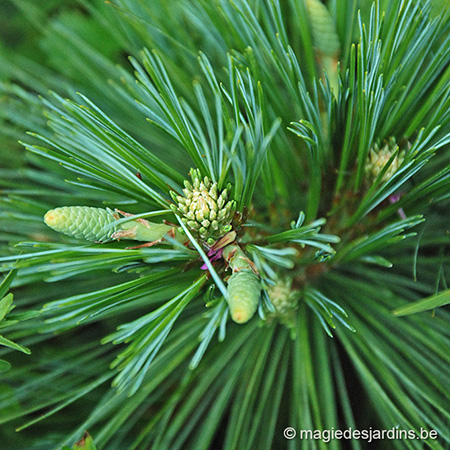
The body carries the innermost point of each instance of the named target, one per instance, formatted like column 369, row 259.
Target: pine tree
column 241, row 228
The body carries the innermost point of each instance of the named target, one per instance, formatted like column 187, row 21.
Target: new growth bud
column 285, row 300
column 206, row 211
column 283, row 297
column 379, row 157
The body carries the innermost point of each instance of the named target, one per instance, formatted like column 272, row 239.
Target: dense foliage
column 285, row 169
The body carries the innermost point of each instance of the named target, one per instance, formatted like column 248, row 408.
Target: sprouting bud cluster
column 206, row 211
column 283, row 297
column 379, row 157
column 285, row 300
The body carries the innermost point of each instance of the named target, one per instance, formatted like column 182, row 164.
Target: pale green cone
column 101, row 225
column 244, row 291
column 82, row 222
column 244, row 286
column 325, row 39
column 323, row 28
